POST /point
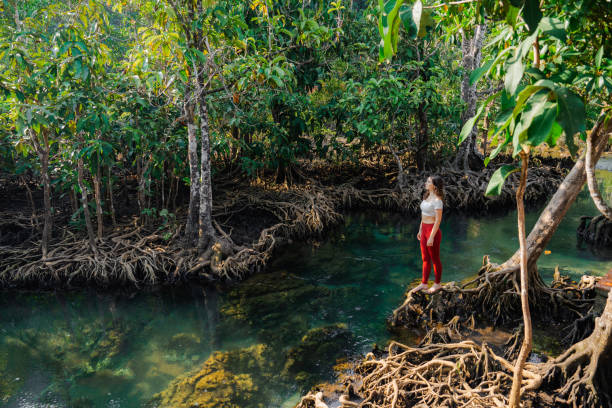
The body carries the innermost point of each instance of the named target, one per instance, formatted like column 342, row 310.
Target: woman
column 429, row 232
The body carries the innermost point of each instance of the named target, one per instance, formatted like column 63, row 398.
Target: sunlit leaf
column 498, row 178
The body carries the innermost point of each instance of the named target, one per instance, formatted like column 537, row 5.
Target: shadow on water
column 257, row 343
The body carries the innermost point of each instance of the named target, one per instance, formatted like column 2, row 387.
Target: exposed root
column 466, row 374
column 143, row 255
column 581, row 376
column 462, row 374
column 595, row 231
column 493, row 295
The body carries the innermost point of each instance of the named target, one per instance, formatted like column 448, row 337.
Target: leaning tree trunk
column 601, row 205
column 561, row 201
column 468, row 156
column 515, row 393
column 205, row 231
column 194, row 174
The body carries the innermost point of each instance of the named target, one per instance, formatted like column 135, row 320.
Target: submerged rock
column 266, row 301
column 317, row 353
column 230, row 379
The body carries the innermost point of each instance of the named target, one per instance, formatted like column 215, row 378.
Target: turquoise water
column 318, row 302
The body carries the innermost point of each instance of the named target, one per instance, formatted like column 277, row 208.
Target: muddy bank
column 259, row 217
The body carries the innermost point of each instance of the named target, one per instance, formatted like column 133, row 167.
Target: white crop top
column 429, row 206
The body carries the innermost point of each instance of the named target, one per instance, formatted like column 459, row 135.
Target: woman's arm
column 435, row 228
column 420, row 228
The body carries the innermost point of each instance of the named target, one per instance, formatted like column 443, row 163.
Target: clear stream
column 317, row 303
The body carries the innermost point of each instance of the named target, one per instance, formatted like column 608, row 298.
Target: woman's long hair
column 438, row 186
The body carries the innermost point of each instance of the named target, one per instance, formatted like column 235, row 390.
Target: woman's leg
column 434, row 254
column 425, row 253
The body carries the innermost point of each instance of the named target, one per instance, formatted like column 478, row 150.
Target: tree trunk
column 422, row 139
column 98, row 197
column 194, row 176
column 205, row 231
column 468, row 156
column 515, row 393
column 485, row 131
column 401, row 176
column 585, row 369
column 43, row 155
column 47, row 196
column 142, row 184
column 561, row 201
column 601, row 205
column 73, row 201
column 34, row 218
column 84, row 204
column 110, row 197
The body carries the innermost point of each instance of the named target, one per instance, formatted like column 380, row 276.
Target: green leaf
column 598, row 57
column 571, row 115
column 480, row 71
column 553, row 27
column 512, row 16
column 554, row 134
column 542, row 125
column 536, row 106
column 387, row 21
column 422, row 18
column 411, row 28
column 469, row 124
column 532, row 14
column 498, row 178
column 514, row 72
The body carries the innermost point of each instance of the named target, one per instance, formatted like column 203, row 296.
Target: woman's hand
column 419, row 235
column 430, row 240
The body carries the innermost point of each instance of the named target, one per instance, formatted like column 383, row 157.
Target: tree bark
column 110, row 197
column 98, row 198
column 31, row 200
column 468, row 156
column 401, row 176
column 601, row 205
column 205, row 231
column 515, row 393
column 422, row 139
column 43, row 154
column 84, row 204
column 142, row 184
column 194, row 174
column 585, row 369
column 562, row 200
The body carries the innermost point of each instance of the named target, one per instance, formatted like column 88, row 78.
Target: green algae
column 231, row 379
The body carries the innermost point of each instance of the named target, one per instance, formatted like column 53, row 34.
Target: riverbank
column 259, row 217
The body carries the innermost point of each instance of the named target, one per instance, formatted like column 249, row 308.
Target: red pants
column 431, row 253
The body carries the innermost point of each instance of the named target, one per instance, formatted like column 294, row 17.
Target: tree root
column 595, row 231
column 493, row 296
column 142, row 255
column 467, row 374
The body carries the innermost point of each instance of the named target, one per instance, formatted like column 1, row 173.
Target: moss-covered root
column 582, row 376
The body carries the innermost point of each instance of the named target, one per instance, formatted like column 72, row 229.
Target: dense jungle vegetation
column 194, row 137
